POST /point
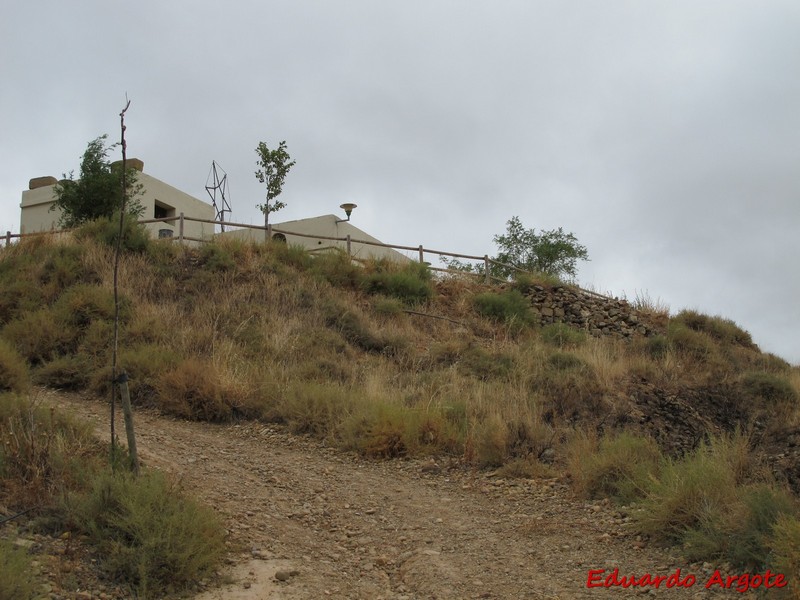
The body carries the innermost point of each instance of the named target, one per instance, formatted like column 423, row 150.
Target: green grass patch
column 410, row 283
column 510, row 307
column 719, row 328
column 148, row 532
column 618, row 466
column 14, row 376
column 17, row 580
column 561, row 334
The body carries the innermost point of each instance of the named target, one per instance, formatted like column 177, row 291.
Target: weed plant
column 17, row 581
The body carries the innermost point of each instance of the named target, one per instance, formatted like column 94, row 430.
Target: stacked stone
column 599, row 315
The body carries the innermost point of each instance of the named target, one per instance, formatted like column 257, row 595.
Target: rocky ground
column 306, row 522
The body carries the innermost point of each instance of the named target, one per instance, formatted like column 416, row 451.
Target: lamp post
column 347, row 207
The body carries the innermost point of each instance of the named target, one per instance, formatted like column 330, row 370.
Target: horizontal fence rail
column 347, row 240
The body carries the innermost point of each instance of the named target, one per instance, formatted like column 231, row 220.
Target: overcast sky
column 664, row 134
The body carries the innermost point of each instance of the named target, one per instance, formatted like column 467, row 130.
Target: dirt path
column 333, row 525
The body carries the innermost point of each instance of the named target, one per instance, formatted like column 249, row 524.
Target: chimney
column 39, row 182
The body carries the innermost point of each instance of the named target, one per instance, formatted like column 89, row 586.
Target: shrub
column 561, row 334
column 145, row 364
column 564, row 361
column 525, row 282
column 510, row 307
column 14, row 375
column 62, row 267
column 65, row 372
column 17, row 582
column 290, row 254
column 785, row 546
column 657, row 346
column 695, row 344
column 355, row 331
column 193, row 390
column 148, row 532
column 314, row 408
column 411, row 283
column 768, row 388
column 81, row 304
column 38, row 336
column 337, row 269
column 484, row 365
column 42, row 452
column 618, row 466
column 105, row 230
column 525, row 468
column 387, row 306
column 18, row 297
column 719, row 328
column 214, row 257
column 697, row 491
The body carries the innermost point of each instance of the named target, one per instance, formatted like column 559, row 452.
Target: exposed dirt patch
column 306, row 521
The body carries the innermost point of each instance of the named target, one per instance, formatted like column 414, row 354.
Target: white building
column 160, row 201
column 315, row 233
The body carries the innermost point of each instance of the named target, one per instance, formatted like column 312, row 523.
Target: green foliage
column 42, row 452
column 619, row 466
column 17, row 297
column 552, row 252
column 273, row 166
column 17, row 581
column 148, row 532
column 105, row 229
column 785, row 547
column 353, row 328
column 387, row 306
column 38, row 336
column 657, row 346
column 14, row 376
column 98, row 192
column 216, row 258
column 410, row 283
column 561, row 334
column 65, row 372
column 565, row 361
column 338, row 269
column 526, row 282
column 510, row 307
column 769, row 388
column 697, row 345
column 193, row 390
column 723, row 330
column 696, row 491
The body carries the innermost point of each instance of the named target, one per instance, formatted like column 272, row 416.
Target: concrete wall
column 158, row 198
column 323, row 226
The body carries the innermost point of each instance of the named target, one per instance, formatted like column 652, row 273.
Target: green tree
column 273, row 166
column 551, row 252
column 98, row 191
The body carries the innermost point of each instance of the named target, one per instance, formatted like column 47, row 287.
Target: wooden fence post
column 349, row 247
column 8, row 239
column 421, row 255
column 180, row 230
column 486, row 268
column 128, row 412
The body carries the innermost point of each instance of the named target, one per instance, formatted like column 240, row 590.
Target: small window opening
column 163, row 211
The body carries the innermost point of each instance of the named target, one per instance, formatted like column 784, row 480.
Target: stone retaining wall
column 598, row 315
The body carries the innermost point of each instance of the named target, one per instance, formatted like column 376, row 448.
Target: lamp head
column 348, row 207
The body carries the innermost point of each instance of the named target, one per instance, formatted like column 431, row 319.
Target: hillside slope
column 531, row 379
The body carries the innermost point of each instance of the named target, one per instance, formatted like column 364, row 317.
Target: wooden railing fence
column 348, row 241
